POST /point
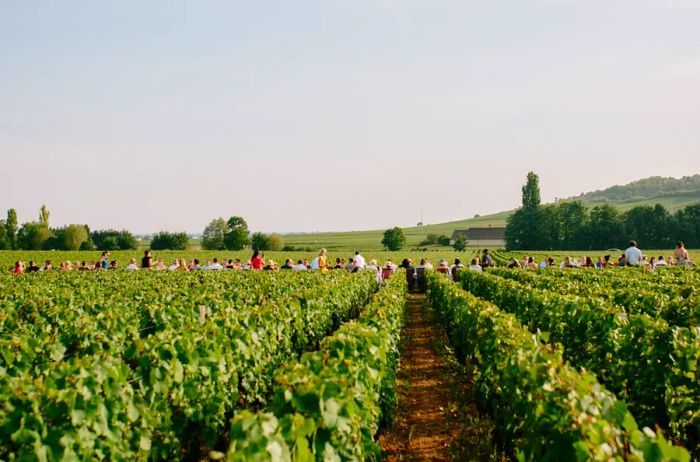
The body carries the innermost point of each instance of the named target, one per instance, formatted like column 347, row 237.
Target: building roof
column 480, row 234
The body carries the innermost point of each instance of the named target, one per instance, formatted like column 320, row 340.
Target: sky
column 336, row 114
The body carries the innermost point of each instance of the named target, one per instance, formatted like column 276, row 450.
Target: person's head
column 423, row 261
column 18, row 264
column 530, row 260
column 633, row 243
column 322, row 252
column 606, row 258
column 458, row 261
column 256, row 253
column 653, row 260
column 147, row 253
column 215, row 260
column 679, row 245
column 31, row 262
column 475, row 261
column 306, row 262
column 47, row 263
column 196, row 262
column 338, row 260
column 357, row 252
column 133, row 261
column 299, row 262
column 661, row 258
column 113, row 263
column 589, row 261
column 486, row 251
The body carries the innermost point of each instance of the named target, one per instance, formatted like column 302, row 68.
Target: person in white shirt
column 359, row 261
column 175, row 265
column 633, row 255
column 314, row 264
column 475, row 266
column 215, row 265
column 132, row 265
column 300, row 266
column 660, row 262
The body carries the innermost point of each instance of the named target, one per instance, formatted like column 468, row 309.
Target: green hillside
column 674, row 194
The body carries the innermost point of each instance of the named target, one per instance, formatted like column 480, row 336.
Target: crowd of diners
column 630, row 257
column 633, row 256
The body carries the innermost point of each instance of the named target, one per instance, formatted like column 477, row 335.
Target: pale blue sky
column 336, row 115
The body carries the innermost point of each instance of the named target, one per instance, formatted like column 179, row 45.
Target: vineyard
column 568, row 365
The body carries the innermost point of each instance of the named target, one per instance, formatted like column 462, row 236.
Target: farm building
column 482, row 236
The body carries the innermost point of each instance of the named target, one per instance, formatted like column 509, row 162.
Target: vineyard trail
column 436, row 418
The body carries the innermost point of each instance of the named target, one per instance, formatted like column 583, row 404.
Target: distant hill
column 652, row 188
column 674, row 194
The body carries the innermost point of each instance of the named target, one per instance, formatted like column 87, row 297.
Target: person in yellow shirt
column 322, row 261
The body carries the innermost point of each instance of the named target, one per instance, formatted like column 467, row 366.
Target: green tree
column 44, row 216
column 213, row 237
column 636, row 221
column 394, row 239
column 687, row 224
column 32, row 236
column 259, row 241
column 443, row 240
column 460, row 243
column 74, row 236
column 238, row 235
column 604, row 228
column 111, row 239
column 430, row 239
column 4, row 243
column 573, row 217
column 524, row 227
column 170, row 241
column 275, row 242
column 11, row 228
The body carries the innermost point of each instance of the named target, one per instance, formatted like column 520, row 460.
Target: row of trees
column 574, row 226
column 39, row 235
column 233, row 234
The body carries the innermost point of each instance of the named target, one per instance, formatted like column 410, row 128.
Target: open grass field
column 371, row 240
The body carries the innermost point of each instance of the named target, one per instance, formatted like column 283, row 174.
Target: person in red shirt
column 19, row 267
column 256, row 262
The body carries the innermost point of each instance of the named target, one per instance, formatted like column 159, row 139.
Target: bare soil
column 436, row 418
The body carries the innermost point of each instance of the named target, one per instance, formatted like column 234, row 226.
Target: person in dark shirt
column 147, row 260
column 32, row 268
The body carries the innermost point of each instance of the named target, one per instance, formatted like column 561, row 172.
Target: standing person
column 147, row 260
column 256, row 261
column 633, row 256
column 322, row 261
column 681, row 254
column 359, row 261
column 486, row 259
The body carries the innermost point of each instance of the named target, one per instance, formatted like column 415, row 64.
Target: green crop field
column 576, row 364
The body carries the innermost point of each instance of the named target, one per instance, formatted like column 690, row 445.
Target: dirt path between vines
column 436, row 418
